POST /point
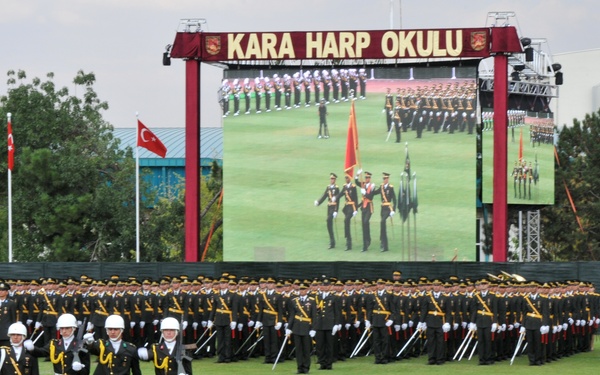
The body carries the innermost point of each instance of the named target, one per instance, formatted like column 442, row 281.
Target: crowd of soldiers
column 524, row 174
column 437, row 108
column 303, row 88
column 542, row 131
column 232, row 319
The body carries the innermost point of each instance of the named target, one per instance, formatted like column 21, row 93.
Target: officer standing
column 323, row 130
column 436, row 317
column 484, row 318
column 330, row 194
column 348, row 191
column 388, row 207
column 300, row 325
column 366, row 207
column 327, row 324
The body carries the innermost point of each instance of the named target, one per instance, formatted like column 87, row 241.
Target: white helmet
column 66, row 321
column 169, row 323
column 17, row 329
column 114, row 321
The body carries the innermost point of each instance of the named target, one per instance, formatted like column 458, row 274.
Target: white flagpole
column 9, row 208
column 137, row 194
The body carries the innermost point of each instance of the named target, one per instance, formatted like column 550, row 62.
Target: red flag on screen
column 521, row 146
column 149, row 141
column 351, row 144
column 11, row 147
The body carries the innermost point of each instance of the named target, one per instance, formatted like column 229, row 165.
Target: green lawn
column 275, row 168
column 580, row 364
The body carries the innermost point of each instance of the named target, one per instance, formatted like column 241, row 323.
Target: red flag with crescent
column 352, row 155
column 149, row 141
column 11, row 147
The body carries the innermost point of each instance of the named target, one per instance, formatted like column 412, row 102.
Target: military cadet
column 326, row 79
column 101, row 308
column 388, row 108
column 330, row 194
column 287, row 90
column 278, row 89
column 335, row 85
column 224, row 316
column 327, row 323
column 297, row 85
column 268, row 87
column 176, row 303
column 317, row 86
column 50, row 309
column 258, row 92
column 115, row 356
column 388, row 207
column 8, row 313
column 270, row 319
column 362, row 80
column 367, row 189
column 236, row 90
column 322, row 112
column 15, row 358
column 224, row 99
column 301, row 319
column 380, row 314
column 484, row 320
column 64, row 359
column 436, row 318
column 344, row 84
column 348, row 191
column 536, row 317
column 164, row 354
column 307, row 83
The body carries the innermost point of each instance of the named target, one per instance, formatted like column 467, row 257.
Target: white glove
column 570, row 320
column 29, row 321
column 142, row 324
column 28, row 345
column 597, row 320
column 316, row 203
column 232, row 325
column 288, row 332
column 209, row 324
column 356, row 324
column 420, row 326
column 397, row 327
column 194, row 325
column 155, row 322
column 358, row 173
column 363, row 191
column 503, row 327
column 285, row 325
column 203, row 323
column 455, row 326
column 404, row 326
column 277, row 326
column 334, row 330
column 565, row 326
column 392, row 214
column 132, row 324
column 517, row 325
column 542, row 329
column 522, row 330
column 38, row 325
column 240, row 326
column 77, row 366
column 367, row 324
column 446, row 327
column 184, row 325
column 347, row 326
column 559, row 328
column 411, row 323
column 250, row 323
column 258, row 325
column 591, row 322
column 494, row 327
column 424, row 326
column 511, row 327
column 389, row 322
column 88, row 338
column 90, row 326
column 383, row 110
column 334, row 214
column 354, row 213
column 143, row 354
column 577, row 322
column 554, row 329
column 79, row 322
column 473, row 326
column 312, row 333
column 464, row 325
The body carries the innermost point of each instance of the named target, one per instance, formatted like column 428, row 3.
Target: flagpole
column 10, row 249
column 137, row 197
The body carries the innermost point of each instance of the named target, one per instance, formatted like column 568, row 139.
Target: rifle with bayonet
column 78, row 347
column 180, row 354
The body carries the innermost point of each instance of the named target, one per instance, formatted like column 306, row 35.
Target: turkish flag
column 11, row 147
column 351, row 144
column 149, row 141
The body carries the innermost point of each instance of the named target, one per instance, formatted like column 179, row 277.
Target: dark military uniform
column 388, row 208
column 224, row 312
column 25, row 364
column 270, row 315
column 348, row 191
column 436, row 314
column 327, row 316
column 330, row 194
column 484, row 314
column 125, row 361
column 366, row 208
column 302, row 316
column 380, row 313
column 62, row 357
column 164, row 360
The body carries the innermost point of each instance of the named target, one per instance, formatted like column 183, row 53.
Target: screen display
column 289, row 130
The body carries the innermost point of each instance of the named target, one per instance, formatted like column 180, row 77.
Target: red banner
column 314, row 45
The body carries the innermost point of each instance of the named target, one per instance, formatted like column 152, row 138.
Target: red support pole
column 500, row 216
column 192, row 159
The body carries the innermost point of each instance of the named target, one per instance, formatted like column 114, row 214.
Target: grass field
column 275, row 168
column 580, row 364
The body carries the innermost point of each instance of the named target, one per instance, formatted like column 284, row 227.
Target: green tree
column 73, row 189
column 578, row 169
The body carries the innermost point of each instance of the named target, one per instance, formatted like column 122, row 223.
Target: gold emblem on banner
column 212, row 44
column 478, row 40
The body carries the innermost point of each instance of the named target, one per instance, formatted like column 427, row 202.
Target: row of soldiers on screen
column 542, row 131
column 287, row 90
column 70, row 352
column 333, row 195
column 438, row 108
column 516, row 118
column 558, row 319
column 524, row 174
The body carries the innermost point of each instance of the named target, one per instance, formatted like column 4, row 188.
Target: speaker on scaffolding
column 529, row 54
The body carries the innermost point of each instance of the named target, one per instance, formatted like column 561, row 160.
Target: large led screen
column 416, row 124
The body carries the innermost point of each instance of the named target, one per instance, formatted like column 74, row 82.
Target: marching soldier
column 330, row 194
column 367, row 189
column 348, row 191
column 388, row 108
column 163, row 354
column 388, row 207
column 16, row 359
column 322, row 111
